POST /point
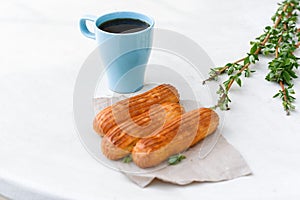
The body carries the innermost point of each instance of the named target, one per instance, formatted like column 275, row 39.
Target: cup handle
column 83, row 28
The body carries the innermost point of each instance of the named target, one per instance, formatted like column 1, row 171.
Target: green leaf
column 246, row 61
column 252, row 59
column 268, row 28
column 173, row 160
column 127, row 159
column 247, row 73
column 266, row 51
column 226, row 83
column 292, row 74
column 238, row 81
column 230, row 70
column 229, row 64
column 276, row 95
column 253, row 48
column 239, row 66
column 286, row 77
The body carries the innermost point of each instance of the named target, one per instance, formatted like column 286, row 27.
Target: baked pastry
column 120, row 140
column 124, row 110
column 177, row 136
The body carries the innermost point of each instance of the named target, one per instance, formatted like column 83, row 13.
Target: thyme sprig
column 127, row 159
column 280, row 40
column 175, row 159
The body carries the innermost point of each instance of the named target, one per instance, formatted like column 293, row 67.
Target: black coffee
column 123, row 25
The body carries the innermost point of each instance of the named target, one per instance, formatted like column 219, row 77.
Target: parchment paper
column 220, row 162
column 223, row 163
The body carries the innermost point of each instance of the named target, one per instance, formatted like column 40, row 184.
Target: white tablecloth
column 42, row 50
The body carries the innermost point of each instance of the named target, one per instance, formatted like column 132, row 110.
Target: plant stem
column 220, row 71
column 264, row 43
column 284, row 96
column 285, row 99
column 240, row 71
column 277, row 47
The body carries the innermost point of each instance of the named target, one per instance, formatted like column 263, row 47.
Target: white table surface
column 42, row 50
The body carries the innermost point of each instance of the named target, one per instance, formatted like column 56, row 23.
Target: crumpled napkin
column 221, row 162
column 224, row 162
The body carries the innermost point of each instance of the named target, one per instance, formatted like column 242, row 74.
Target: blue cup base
column 126, row 92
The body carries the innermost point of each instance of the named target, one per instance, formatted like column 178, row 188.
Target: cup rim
column 151, row 22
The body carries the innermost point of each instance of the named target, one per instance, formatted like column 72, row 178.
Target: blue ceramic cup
column 124, row 55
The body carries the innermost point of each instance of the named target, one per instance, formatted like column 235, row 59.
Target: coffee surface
column 123, row 25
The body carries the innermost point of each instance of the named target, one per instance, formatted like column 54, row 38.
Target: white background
column 42, row 50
